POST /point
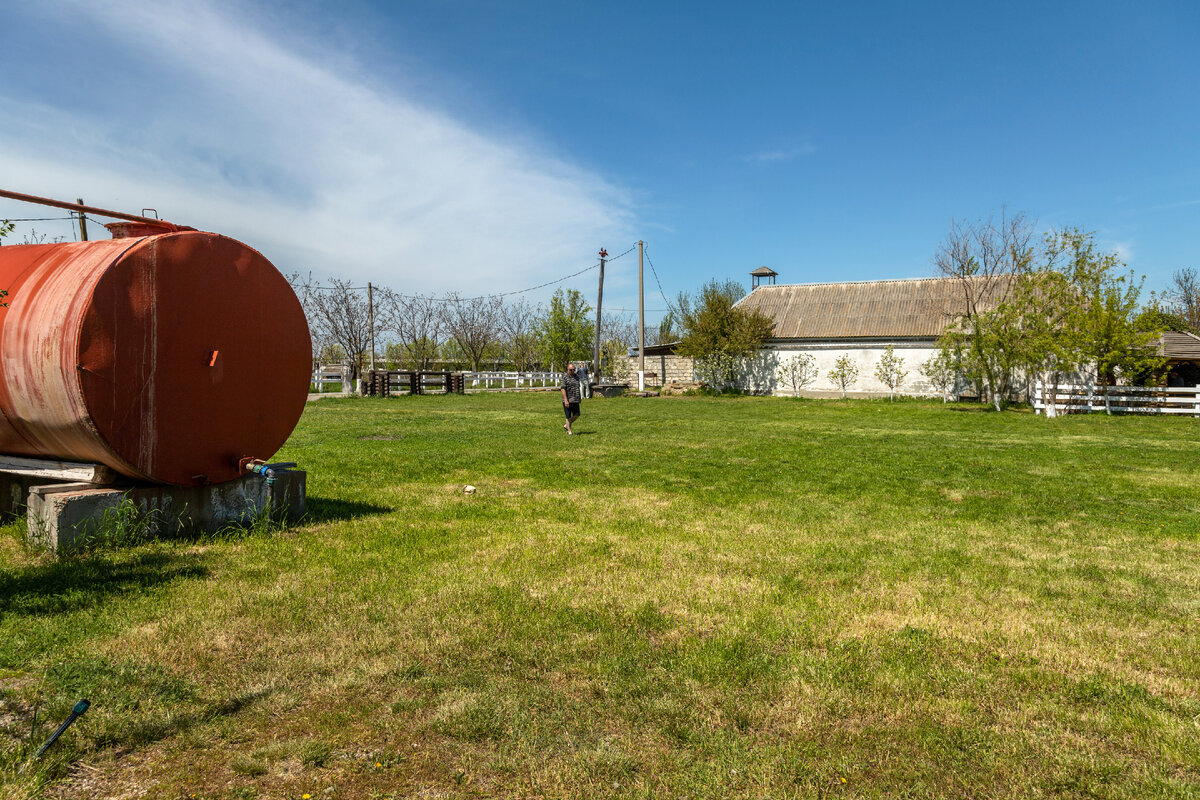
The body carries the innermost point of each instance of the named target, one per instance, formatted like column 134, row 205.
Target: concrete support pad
column 64, row 516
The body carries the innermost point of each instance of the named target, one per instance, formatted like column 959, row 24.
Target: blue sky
column 486, row 147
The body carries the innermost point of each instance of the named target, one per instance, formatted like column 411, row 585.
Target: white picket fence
column 1075, row 399
column 511, row 380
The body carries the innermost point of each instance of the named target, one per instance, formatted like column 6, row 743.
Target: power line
column 319, row 288
column 656, row 280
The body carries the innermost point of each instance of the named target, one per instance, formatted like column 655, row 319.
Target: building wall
column 762, row 378
column 668, row 368
column 760, row 374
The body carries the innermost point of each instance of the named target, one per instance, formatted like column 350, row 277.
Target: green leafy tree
column 942, row 369
column 1156, row 319
column 889, row 370
column 1076, row 312
column 714, row 326
column 844, row 373
column 332, row 354
column 566, row 332
column 798, row 372
column 717, row 370
column 1098, row 330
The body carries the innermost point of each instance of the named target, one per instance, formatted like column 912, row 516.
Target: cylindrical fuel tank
column 168, row 357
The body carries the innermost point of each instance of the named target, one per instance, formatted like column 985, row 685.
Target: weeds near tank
column 267, row 522
column 125, row 525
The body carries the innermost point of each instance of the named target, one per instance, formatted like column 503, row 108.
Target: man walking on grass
column 571, row 396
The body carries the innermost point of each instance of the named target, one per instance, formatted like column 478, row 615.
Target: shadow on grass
column 331, row 509
column 67, row 585
column 144, row 731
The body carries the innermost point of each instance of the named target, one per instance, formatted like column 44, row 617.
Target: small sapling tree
column 890, row 370
column 941, row 371
column 798, row 372
column 844, row 374
column 718, row 370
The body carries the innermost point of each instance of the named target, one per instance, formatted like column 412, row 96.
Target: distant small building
column 663, row 365
column 1182, row 351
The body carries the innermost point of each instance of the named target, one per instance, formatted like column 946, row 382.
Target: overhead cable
column 480, row 297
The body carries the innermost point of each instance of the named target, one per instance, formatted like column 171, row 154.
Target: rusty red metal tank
column 167, row 357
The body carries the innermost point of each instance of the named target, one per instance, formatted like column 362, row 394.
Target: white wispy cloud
column 767, row 156
column 298, row 152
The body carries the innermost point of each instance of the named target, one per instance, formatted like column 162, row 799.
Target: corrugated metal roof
column 1182, row 346
column 915, row 308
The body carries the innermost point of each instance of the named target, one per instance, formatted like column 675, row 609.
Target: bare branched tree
column 985, row 258
column 519, row 326
column 419, row 325
column 1184, row 296
column 619, row 328
column 474, row 323
column 302, row 286
column 340, row 310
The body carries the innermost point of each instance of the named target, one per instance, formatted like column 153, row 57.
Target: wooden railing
column 383, row 383
column 1075, row 399
column 511, row 380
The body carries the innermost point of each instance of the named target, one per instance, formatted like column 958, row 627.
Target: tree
column 1184, row 296
column 942, row 370
column 618, row 334
column 715, row 369
column 566, row 333
column 419, row 325
column 519, row 325
column 474, row 324
column 1103, row 321
column 798, row 372
column 33, row 237
column 303, row 287
column 983, row 258
column 1077, row 313
column 341, row 315
column 715, row 326
column 668, row 329
column 1156, row 319
column 844, row 373
column 889, row 370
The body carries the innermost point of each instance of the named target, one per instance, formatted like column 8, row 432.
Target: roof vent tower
column 762, row 274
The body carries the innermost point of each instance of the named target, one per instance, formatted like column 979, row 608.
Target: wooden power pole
column 641, row 323
column 82, row 223
column 371, row 320
column 599, row 301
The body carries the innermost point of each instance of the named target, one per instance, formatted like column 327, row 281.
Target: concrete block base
column 67, row 516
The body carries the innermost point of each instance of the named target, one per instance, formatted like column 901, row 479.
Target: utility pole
column 371, row 319
column 641, row 323
column 82, row 223
column 599, row 301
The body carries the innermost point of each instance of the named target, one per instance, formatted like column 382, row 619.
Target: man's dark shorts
column 571, row 409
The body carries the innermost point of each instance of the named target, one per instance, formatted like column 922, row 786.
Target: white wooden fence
column 511, row 380
column 1074, row 399
column 331, row 373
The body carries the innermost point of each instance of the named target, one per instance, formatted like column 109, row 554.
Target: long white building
column 858, row 319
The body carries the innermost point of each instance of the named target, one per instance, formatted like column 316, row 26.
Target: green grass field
column 734, row 597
